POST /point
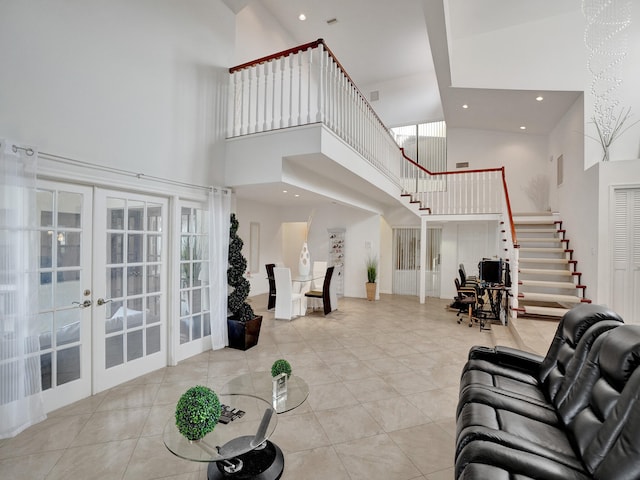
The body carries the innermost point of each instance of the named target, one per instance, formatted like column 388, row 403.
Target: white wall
column 259, row 34
column 135, row 85
column 468, row 243
column 524, row 157
column 577, row 198
column 537, row 52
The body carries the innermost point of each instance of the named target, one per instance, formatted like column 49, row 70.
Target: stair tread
column 544, row 260
column 544, row 283
column 549, row 297
column 544, row 249
column 549, row 311
column 539, row 230
column 541, row 240
column 542, row 221
column 546, row 271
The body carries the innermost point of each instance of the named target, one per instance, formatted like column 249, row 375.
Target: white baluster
column 274, row 67
column 266, row 96
column 309, row 70
column 299, row 55
column 256, row 126
column 321, row 84
column 282, row 83
column 236, row 99
column 244, row 121
column 290, row 120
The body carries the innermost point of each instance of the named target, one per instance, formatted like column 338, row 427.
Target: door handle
column 102, row 301
column 85, row 304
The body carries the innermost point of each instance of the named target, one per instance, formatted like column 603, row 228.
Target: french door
column 406, row 261
column 129, row 279
column 64, row 291
column 102, row 289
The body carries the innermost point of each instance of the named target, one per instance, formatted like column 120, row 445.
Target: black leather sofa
column 574, row 414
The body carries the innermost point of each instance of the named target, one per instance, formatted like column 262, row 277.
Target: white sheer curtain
column 219, row 216
column 21, row 402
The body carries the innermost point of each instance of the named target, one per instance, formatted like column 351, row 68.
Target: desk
column 238, row 449
column 495, row 294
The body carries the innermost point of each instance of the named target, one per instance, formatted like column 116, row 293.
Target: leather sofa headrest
column 578, row 320
column 620, row 354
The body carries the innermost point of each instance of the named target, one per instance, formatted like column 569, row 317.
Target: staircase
column 548, row 279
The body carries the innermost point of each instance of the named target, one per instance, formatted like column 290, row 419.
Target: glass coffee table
column 239, row 449
column 260, row 384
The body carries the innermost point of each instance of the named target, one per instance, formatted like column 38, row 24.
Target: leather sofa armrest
column 510, row 357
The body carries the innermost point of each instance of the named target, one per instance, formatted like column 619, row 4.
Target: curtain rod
column 120, row 171
column 28, row 150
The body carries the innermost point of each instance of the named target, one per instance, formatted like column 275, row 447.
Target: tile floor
column 383, row 380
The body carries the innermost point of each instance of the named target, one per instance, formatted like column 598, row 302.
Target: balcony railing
column 305, row 85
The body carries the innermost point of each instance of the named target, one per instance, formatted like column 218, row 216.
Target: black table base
column 263, row 463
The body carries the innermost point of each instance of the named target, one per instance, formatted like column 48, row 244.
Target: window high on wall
column 425, row 143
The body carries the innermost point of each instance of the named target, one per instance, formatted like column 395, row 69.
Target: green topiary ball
column 197, row 412
column 280, row 366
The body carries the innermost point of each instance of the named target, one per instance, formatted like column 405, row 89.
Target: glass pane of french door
column 130, row 281
column 64, row 291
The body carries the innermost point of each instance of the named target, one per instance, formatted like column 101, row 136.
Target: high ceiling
column 384, row 41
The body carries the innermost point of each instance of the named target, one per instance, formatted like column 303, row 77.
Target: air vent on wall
column 374, row 96
column 462, row 165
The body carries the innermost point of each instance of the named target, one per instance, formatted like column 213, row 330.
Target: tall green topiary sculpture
column 236, row 302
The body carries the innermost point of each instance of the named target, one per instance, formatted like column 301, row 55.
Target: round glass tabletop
column 260, row 384
column 252, row 424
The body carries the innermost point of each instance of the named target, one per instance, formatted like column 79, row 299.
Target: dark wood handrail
column 275, row 56
column 496, row 169
column 504, row 186
column 506, row 194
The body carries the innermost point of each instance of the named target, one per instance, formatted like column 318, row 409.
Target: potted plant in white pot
column 372, row 275
column 243, row 325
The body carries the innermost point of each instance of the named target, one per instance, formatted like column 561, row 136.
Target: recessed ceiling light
column 523, row 127
column 539, row 98
column 302, row 17
column 465, row 106
column 284, row 191
column 297, row 195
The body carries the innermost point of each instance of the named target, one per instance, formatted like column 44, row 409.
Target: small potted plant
column 281, row 366
column 372, row 275
column 243, row 325
column 280, row 371
column 197, row 412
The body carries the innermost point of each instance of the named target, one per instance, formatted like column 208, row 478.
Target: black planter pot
column 243, row 335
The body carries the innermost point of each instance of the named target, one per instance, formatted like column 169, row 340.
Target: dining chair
column 271, row 301
column 325, row 293
column 319, row 271
column 288, row 302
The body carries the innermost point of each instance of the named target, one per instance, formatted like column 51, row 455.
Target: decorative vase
column 371, row 291
column 304, row 265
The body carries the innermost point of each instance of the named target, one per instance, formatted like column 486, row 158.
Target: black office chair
column 324, row 294
column 466, row 301
column 272, row 286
